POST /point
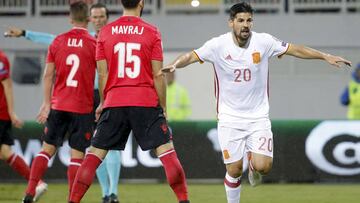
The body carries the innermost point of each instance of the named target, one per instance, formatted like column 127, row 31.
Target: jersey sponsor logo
column 228, row 57
column 256, row 57
column 73, row 42
column 334, row 147
column 127, row 30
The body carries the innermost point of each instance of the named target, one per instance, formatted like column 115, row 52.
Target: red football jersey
column 73, row 54
column 129, row 44
column 4, row 74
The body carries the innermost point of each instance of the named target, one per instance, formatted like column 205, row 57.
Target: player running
column 241, row 59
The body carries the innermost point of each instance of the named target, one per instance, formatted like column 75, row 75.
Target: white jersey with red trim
column 241, row 76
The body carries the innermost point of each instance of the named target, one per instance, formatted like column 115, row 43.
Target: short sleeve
column 207, row 51
column 100, row 52
column 276, row 46
column 157, row 51
column 50, row 55
column 4, row 68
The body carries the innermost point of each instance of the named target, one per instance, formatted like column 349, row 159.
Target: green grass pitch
column 201, row 193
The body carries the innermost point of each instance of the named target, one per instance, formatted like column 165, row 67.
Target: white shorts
column 235, row 142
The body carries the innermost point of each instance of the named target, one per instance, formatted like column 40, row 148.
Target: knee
column 49, row 149
column 5, row 152
column 263, row 167
column 234, row 170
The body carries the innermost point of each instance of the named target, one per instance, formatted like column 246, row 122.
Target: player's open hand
column 16, row 122
column 13, row 32
column 337, row 60
column 168, row 68
column 98, row 112
column 43, row 113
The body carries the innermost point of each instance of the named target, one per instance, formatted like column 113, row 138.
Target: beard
column 243, row 35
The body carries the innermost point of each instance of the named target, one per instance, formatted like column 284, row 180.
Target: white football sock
column 232, row 188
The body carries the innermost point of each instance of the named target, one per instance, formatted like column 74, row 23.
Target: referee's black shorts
column 148, row 124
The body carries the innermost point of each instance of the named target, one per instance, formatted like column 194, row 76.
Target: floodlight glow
column 195, row 3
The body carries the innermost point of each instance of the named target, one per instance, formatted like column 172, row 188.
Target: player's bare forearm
column 159, row 82
column 181, row 61
column 9, row 96
column 304, row 52
column 160, row 86
column 48, row 79
column 103, row 76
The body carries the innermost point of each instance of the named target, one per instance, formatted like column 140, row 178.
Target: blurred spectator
column 351, row 95
column 178, row 102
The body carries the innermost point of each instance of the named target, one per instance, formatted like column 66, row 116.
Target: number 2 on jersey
column 121, row 48
column 73, row 61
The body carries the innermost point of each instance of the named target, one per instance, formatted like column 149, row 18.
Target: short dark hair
column 100, row 5
column 130, row 3
column 242, row 7
column 79, row 11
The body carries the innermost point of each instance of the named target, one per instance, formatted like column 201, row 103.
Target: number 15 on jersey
column 121, row 48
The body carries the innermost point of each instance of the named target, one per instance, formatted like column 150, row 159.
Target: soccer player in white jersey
column 240, row 59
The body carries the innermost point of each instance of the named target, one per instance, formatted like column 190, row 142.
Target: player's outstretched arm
column 304, row 52
column 181, row 61
column 9, row 96
column 159, row 83
column 37, row 37
column 48, row 79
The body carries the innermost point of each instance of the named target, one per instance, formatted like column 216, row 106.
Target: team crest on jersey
column 256, row 57
column 87, row 136
column 226, row 154
column 164, row 128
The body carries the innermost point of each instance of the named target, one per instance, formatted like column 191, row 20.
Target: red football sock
column 38, row 168
column 18, row 164
column 84, row 177
column 71, row 172
column 175, row 174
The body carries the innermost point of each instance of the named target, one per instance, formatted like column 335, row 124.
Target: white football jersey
column 241, row 75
